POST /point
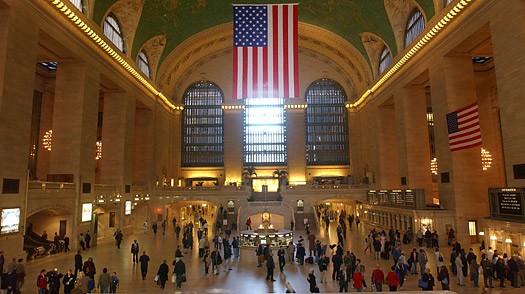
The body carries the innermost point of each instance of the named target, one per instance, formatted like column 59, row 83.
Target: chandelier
column 486, row 159
column 434, row 166
column 46, row 141
column 99, row 150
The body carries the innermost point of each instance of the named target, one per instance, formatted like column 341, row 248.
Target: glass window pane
column 113, row 32
column 78, row 4
column 202, row 126
column 385, row 60
column 326, row 124
column 264, row 132
column 143, row 63
column 415, row 26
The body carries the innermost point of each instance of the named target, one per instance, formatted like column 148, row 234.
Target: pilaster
column 233, row 140
column 296, row 139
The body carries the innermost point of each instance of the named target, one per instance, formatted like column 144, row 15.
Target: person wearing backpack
column 114, row 283
column 41, row 282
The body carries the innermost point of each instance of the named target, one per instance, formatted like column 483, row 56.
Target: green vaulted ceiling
column 181, row 19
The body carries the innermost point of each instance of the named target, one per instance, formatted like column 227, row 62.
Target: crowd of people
column 219, row 250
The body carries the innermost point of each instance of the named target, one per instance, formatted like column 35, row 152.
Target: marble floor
column 245, row 277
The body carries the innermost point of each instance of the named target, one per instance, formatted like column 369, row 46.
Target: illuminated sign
column 87, row 211
column 127, row 208
column 10, row 221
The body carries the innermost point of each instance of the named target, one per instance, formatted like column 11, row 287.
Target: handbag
column 183, row 279
column 422, row 284
column 173, row 278
column 156, row 279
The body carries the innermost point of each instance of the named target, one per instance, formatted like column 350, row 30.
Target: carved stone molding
column 398, row 12
column 154, row 48
column 128, row 14
column 374, row 47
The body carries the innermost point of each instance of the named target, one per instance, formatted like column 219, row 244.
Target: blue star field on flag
column 250, row 26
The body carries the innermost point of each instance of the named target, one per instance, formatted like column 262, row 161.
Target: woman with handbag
column 444, row 278
column 426, row 282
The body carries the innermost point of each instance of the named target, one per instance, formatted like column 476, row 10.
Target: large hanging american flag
column 463, row 128
column 265, row 51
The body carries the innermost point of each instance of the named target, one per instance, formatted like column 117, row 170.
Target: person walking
column 439, row 259
column 104, row 281
column 115, row 281
column 378, row 277
column 337, row 260
column 270, row 265
column 78, row 262
column 81, row 241
column 145, row 225
column 207, row 261
column 216, row 259
column 428, row 279
column 444, row 278
column 281, row 254
column 180, row 271
column 474, row 270
column 323, row 267
column 88, row 239
column 162, row 274
column 359, row 281
column 69, row 282
column 312, row 282
column 392, row 278
column 144, row 260
column 488, row 271
column 344, row 279
column 135, row 251
column 20, row 274
column 41, row 282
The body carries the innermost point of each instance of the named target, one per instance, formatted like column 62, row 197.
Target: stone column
column 118, row 127
column 75, row 116
column 388, row 170
column 18, row 53
column 413, row 146
column 116, row 166
column 143, row 147
column 296, row 139
column 510, row 74
column 176, row 150
column 233, row 140
column 453, row 87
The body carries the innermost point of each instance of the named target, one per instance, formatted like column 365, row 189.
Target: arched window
column 384, row 60
column 143, row 63
column 326, row 124
column 78, row 4
column 202, row 126
column 113, row 32
column 415, row 25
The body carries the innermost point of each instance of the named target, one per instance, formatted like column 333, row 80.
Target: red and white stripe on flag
column 463, row 125
column 269, row 71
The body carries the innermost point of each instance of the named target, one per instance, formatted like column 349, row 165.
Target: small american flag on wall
column 463, row 128
column 265, row 51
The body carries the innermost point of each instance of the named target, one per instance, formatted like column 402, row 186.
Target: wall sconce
column 482, row 233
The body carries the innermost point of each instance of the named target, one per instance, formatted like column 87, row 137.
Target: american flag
column 463, row 128
column 265, row 51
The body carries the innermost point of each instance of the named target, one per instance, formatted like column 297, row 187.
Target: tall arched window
column 143, row 63
column 415, row 25
column 326, row 124
column 384, row 60
column 78, row 4
column 113, row 32
column 202, row 126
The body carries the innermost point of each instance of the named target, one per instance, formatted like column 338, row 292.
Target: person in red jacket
column 41, row 282
column 392, row 279
column 378, row 277
column 359, row 282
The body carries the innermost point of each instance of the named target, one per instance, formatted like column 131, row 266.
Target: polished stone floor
column 245, row 277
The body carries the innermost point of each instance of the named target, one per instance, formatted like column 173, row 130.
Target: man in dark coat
column 144, row 259
column 270, row 265
column 337, row 260
column 179, row 271
column 135, row 251
column 282, row 258
column 78, row 262
column 163, row 273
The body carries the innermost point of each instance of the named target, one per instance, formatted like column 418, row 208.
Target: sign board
column 87, row 211
column 10, row 222
column 507, row 203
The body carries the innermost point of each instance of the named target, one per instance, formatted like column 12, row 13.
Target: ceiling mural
column 178, row 20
